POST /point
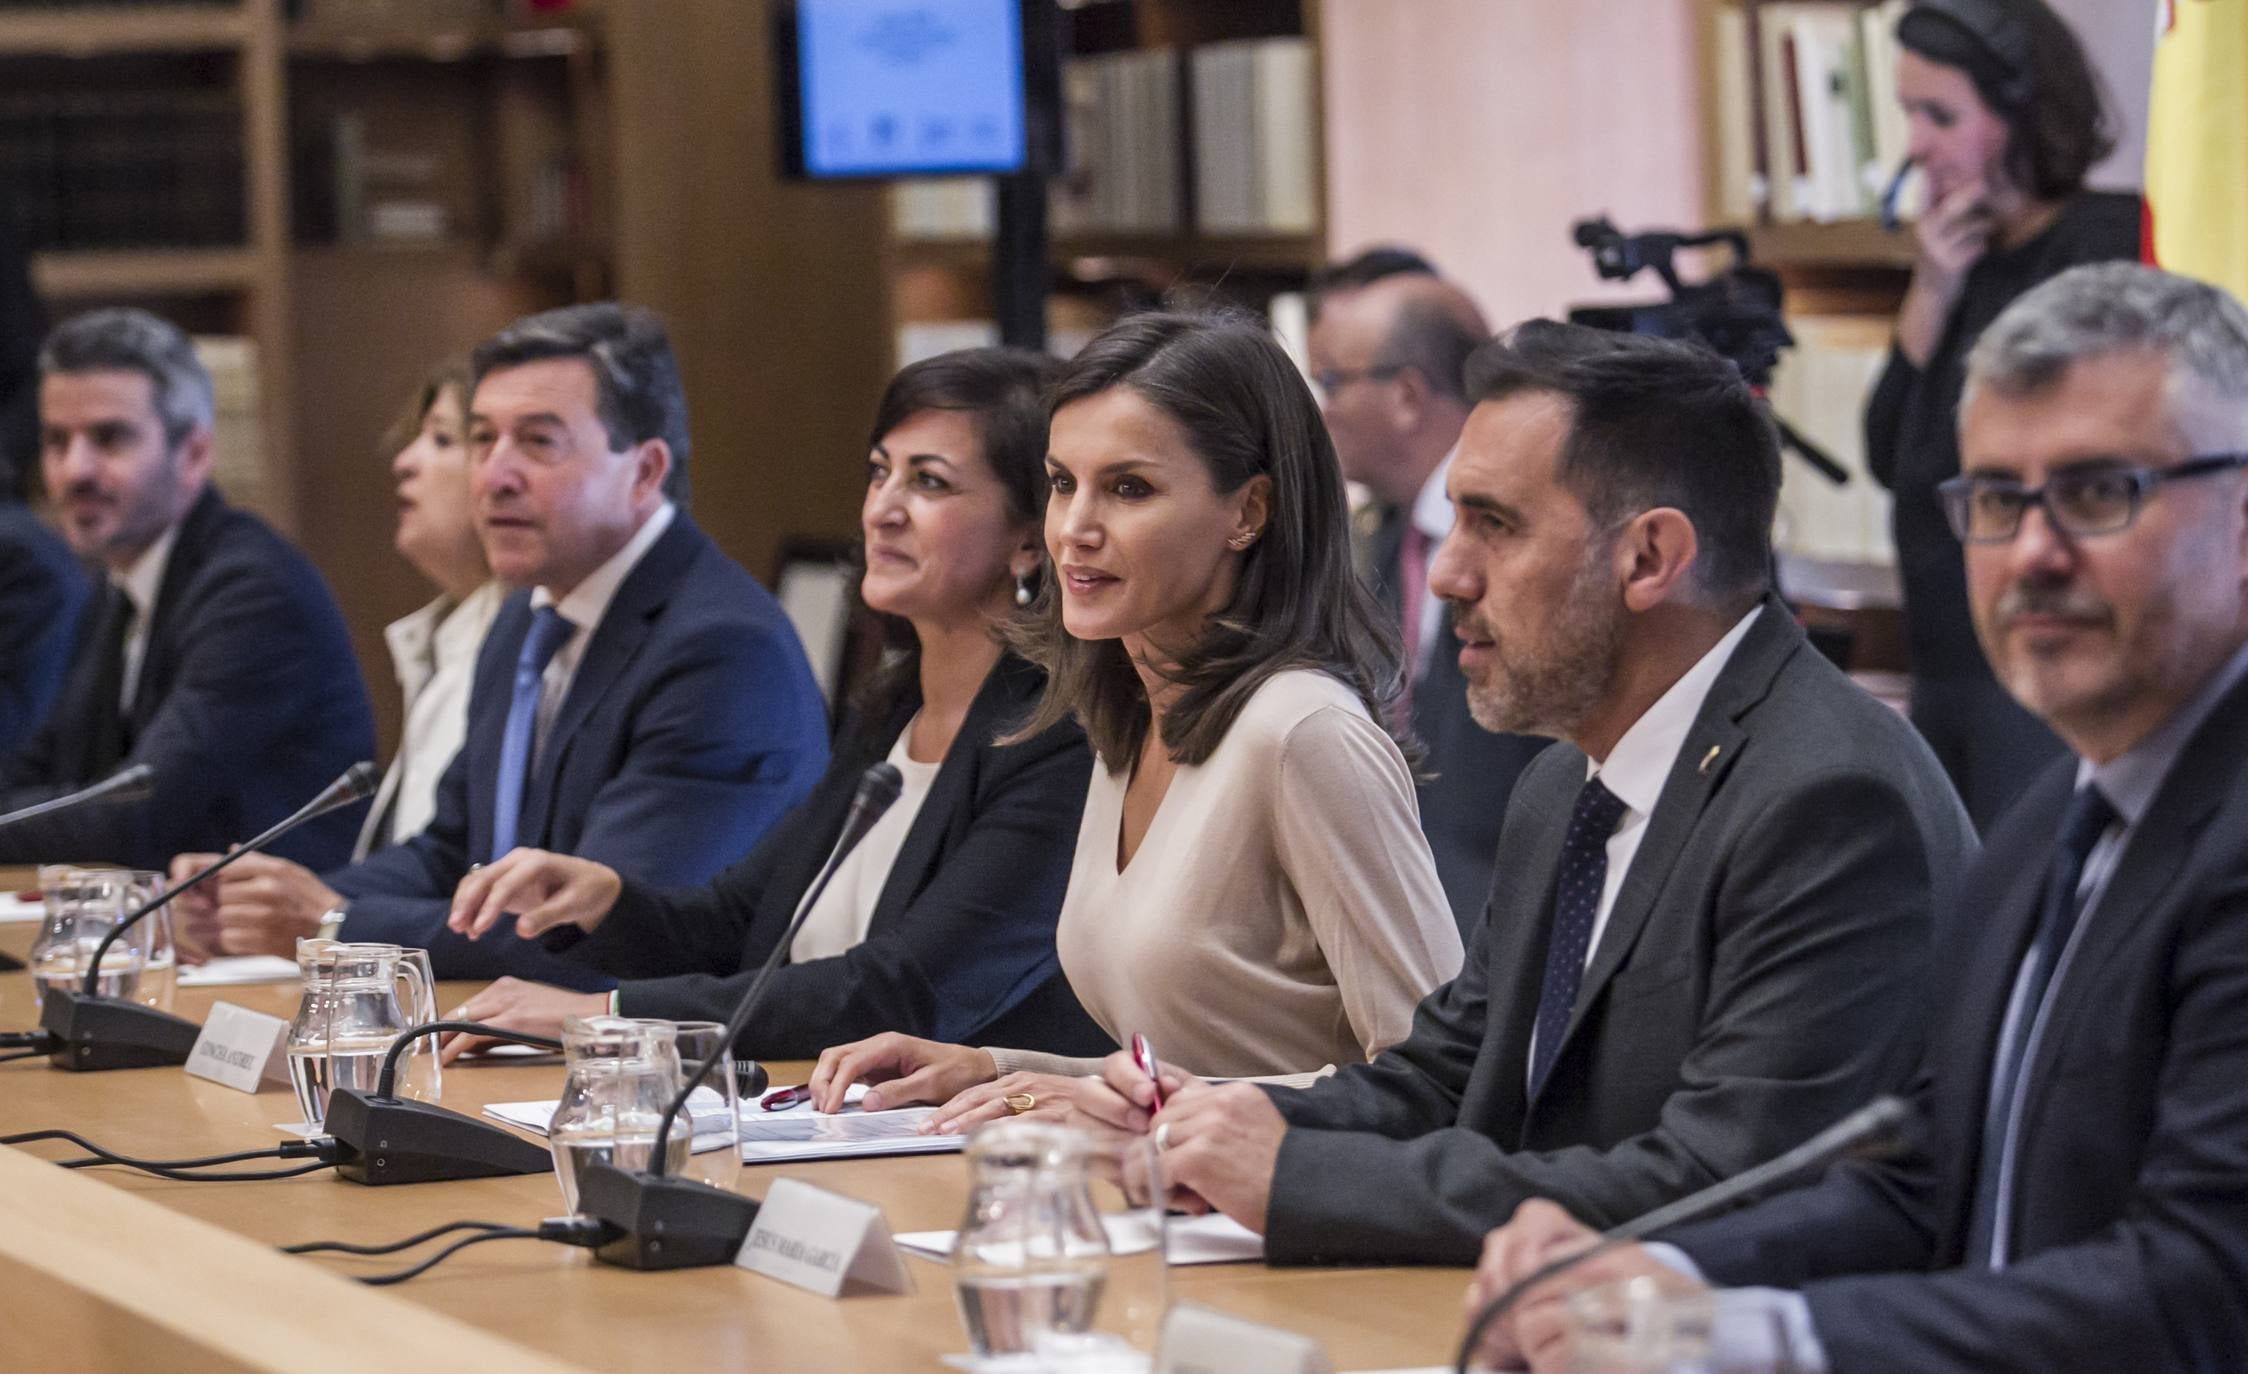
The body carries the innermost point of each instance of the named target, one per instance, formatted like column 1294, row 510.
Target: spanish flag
column 2197, row 143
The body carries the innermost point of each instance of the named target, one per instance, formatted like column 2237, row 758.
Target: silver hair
column 2100, row 309
column 127, row 340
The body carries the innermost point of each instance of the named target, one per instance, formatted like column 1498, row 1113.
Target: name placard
column 823, row 1242
column 240, row 1048
column 1197, row 1340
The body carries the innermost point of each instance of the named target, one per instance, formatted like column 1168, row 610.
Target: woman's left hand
column 1050, row 1097
column 512, row 1004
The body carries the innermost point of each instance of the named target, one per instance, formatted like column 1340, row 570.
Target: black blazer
column 692, row 725
column 961, row 945
column 42, row 591
column 2129, row 1225
column 249, row 703
column 1754, row 982
column 1469, row 772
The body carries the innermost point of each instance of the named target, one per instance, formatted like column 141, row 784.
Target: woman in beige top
column 1251, row 888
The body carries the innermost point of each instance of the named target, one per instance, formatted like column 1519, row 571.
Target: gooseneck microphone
column 1870, row 1132
column 90, row 1032
column 132, row 784
column 383, row 1138
column 654, row 1222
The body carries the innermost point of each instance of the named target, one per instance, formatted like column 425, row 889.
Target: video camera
column 1735, row 312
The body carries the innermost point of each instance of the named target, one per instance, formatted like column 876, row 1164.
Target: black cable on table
column 579, row 1231
column 344, row 1247
column 321, row 1150
column 23, row 1054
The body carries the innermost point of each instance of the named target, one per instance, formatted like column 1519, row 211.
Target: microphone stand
column 383, row 1138
column 1872, row 1130
column 133, row 784
column 87, row 1032
column 653, row 1222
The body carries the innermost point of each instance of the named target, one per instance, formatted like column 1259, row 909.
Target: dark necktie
column 2089, row 816
column 548, row 630
column 110, row 736
column 1576, row 902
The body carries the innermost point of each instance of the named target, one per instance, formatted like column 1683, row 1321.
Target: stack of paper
column 794, row 1133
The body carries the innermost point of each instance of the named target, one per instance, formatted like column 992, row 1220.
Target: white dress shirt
column 583, row 608
column 1636, row 769
column 838, row 922
column 140, row 583
column 433, row 651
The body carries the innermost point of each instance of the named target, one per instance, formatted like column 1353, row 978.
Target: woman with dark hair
column 942, row 918
column 2006, row 119
column 1251, row 888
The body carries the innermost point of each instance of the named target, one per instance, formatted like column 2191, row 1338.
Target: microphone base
column 391, row 1140
column 663, row 1223
column 101, row 1033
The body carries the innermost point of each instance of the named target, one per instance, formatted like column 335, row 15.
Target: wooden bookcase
column 1097, row 275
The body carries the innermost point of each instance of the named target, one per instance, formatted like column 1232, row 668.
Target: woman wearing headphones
column 2006, row 118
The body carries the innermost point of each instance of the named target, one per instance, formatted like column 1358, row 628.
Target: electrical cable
column 584, row 1232
column 321, row 1150
column 344, row 1247
column 24, row 1054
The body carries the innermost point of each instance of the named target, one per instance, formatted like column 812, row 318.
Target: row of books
column 156, row 168
column 1834, row 134
column 1251, row 138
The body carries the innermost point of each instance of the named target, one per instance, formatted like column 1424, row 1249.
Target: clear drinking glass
column 358, row 999
column 82, row 906
column 716, row 1105
column 1634, row 1328
column 619, row 1075
column 1060, row 1257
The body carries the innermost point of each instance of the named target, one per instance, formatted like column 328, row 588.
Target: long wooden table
column 92, row 1248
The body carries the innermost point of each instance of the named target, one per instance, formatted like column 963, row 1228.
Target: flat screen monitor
column 893, row 88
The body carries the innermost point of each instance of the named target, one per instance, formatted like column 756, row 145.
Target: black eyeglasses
column 2095, row 499
column 1333, row 379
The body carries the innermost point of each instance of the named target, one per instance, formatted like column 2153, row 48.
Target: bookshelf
column 1195, row 170
column 174, row 196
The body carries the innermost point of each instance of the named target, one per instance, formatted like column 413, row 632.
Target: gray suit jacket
column 1756, row 980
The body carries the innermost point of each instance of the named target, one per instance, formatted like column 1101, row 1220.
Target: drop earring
column 1022, row 589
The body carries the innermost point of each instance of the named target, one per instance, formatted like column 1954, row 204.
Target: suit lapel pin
column 1708, row 759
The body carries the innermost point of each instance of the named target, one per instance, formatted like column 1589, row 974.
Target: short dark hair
column 1654, row 422
column 2056, row 110
column 1432, row 341
column 123, row 339
column 1364, row 269
column 1246, row 412
column 1004, row 390
column 637, row 391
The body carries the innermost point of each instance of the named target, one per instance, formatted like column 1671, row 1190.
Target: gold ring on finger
column 1018, row 1103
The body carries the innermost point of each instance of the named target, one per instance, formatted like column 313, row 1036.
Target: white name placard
column 240, row 1048
column 823, row 1242
column 1197, row 1340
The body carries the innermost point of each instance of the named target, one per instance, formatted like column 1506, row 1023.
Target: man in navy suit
column 1388, row 348
column 2078, row 1195
column 643, row 702
column 214, row 654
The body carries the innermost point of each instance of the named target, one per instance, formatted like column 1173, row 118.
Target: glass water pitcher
column 358, row 999
column 619, row 1075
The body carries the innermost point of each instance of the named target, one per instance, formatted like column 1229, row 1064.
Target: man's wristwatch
column 331, row 920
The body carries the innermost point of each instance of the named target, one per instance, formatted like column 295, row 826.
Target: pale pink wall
column 1479, row 130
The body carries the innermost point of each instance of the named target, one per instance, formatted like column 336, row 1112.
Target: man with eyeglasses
column 2077, row 1196
column 1389, row 342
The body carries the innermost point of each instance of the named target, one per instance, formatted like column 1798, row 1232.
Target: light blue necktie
column 548, row 631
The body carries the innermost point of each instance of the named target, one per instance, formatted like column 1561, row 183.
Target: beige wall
column 1480, row 130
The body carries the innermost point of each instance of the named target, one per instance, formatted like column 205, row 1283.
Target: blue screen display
column 897, row 87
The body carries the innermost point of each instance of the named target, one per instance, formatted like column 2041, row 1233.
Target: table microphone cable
column 321, row 1150
column 583, row 1232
